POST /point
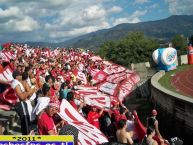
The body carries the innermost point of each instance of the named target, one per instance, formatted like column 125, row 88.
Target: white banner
column 99, row 100
column 6, row 75
column 108, row 88
column 116, row 78
column 88, row 134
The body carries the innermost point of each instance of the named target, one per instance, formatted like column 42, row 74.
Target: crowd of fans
column 40, row 90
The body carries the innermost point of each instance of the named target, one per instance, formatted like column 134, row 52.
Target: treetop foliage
column 134, row 48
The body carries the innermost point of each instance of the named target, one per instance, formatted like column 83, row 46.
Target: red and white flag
column 93, row 71
column 96, row 58
column 116, row 78
column 113, row 69
column 88, row 134
column 99, row 77
column 6, row 75
column 9, row 95
column 135, row 78
column 80, row 76
column 83, row 90
column 125, row 89
column 99, row 100
column 6, row 55
column 108, row 88
column 127, row 86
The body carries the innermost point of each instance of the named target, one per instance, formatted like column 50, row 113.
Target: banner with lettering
column 88, row 134
column 99, row 100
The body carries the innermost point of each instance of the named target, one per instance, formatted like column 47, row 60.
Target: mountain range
column 163, row 30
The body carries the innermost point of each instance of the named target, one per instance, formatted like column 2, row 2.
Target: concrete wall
column 178, row 107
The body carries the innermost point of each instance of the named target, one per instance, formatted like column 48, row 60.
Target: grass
column 165, row 81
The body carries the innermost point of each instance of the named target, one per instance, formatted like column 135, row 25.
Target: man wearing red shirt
column 93, row 117
column 46, row 124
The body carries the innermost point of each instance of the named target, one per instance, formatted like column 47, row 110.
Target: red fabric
column 1, row 68
column 7, row 45
column 38, row 72
column 9, row 96
column 100, row 76
column 120, row 117
column 116, row 114
column 139, row 127
column 73, row 105
column 5, row 107
column 45, row 124
column 53, row 72
column 52, row 91
column 93, row 118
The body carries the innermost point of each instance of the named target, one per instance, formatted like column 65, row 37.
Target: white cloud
column 11, row 12
column 141, row 1
column 52, row 19
column 121, row 20
column 179, row 7
column 138, row 13
column 78, row 31
column 24, row 25
column 134, row 18
column 115, row 9
column 56, row 20
column 93, row 12
column 154, row 6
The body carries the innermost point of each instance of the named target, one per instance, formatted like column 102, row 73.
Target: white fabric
column 32, row 97
column 78, row 102
column 99, row 100
column 29, row 106
column 30, row 109
column 6, row 75
column 88, row 134
column 42, row 103
column 15, row 82
column 130, row 125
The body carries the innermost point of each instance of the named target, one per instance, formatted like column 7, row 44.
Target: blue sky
column 59, row 20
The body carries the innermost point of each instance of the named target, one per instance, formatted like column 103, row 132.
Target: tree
column 179, row 42
column 134, row 48
column 105, row 48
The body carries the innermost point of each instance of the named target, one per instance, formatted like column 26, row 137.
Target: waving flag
column 80, row 76
column 108, row 88
column 93, row 71
column 116, row 78
column 83, row 90
column 113, row 69
column 6, row 75
column 99, row 77
column 99, row 100
column 96, row 58
column 88, row 134
column 127, row 86
column 6, row 55
column 125, row 89
column 8, row 96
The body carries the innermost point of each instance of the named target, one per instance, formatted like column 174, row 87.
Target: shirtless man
column 122, row 135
